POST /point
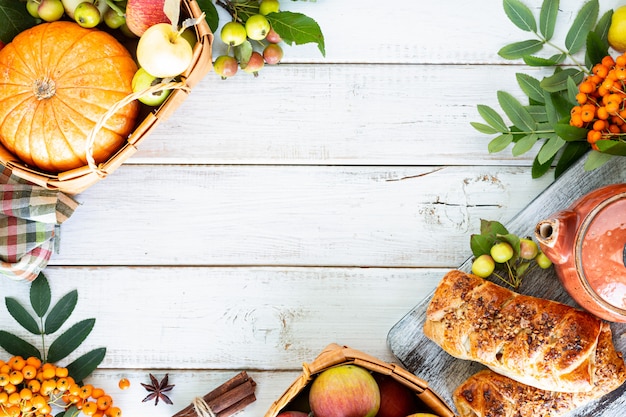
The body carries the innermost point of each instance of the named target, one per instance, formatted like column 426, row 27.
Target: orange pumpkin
column 56, row 81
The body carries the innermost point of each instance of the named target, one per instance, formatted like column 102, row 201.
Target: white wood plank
column 338, row 114
column 328, row 216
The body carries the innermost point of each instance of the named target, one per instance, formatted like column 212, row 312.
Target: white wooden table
column 317, row 203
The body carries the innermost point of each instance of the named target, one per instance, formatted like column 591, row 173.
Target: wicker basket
column 334, row 355
column 79, row 179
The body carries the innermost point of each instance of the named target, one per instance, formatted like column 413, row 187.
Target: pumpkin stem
column 44, row 88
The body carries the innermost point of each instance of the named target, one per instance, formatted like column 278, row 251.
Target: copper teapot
column 587, row 245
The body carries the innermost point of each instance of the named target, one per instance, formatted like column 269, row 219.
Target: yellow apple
column 163, row 52
column 142, row 81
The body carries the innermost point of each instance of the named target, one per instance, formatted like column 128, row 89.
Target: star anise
column 158, row 389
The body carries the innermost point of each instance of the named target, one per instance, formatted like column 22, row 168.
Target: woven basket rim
column 77, row 180
column 336, row 355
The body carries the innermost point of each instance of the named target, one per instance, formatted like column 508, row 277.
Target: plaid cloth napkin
column 30, row 217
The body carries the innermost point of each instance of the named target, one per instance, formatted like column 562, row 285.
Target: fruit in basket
column 51, row 101
column 293, row 414
column 87, row 15
column 143, row 80
column 344, row 391
column 422, row 415
column 142, row 14
column 163, row 52
column 113, row 19
column 50, row 10
column 617, row 30
column 396, row 399
column 233, row 34
column 70, row 6
column 257, row 27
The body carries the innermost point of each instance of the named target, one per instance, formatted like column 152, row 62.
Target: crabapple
column 272, row 54
column 225, row 66
column 273, row 37
column 233, row 33
column 142, row 80
column 528, row 249
column 543, row 261
column 31, row 7
column 255, row 64
column 269, row 6
column 483, row 266
column 113, row 19
column 501, row 252
column 50, row 10
column 87, row 15
column 257, row 27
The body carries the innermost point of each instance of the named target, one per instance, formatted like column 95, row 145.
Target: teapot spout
column 555, row 236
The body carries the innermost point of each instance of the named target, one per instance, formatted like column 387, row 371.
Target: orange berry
column 45, row 410
column 593, row 136
column 14, row 398
column 48, row 371
column 5, row 369
column 10, row 388
column 38, row 401
column 104, row 402
column 48, row 386
column 26, row 394
column 114, row 412
column 615, row 129
column 576, row 120
column 4, row 397
column 4, row 379
column 16, row 377
column 97, row 393
column 608, row 61
column 89, row 408
column 17, row 363
column 599, row 125
column 33, row 361
column 602, row 113
column 124, row 383
column 29, row 372
column 612, row 107
column 587, row 87
column 600, row 70
column 61, row 372
column 62, row 384
column 74, row 389
column 588, row 115
column 85, row 391
column 581, row 98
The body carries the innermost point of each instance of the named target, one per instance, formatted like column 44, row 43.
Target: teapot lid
column 601, row 252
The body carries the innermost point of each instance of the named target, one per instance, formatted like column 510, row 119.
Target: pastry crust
column 488, row 394
column 538, row 342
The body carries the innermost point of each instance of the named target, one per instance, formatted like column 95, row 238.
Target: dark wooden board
column 444, row 372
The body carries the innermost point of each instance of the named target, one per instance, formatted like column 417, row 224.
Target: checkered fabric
column 30, row 217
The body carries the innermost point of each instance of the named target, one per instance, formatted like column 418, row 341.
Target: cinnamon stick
column 227, row 399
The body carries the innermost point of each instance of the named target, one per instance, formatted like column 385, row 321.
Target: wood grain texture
column 445, row 373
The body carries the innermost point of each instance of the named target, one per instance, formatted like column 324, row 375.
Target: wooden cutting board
column 444, row 372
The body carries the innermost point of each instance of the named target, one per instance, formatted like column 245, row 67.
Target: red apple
column 396, row 399
column 141, row 14
column 292, row 414
column 344, row 391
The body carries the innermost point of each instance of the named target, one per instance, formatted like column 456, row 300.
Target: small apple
column 189, row 35
column 113, row 19
column 225, row 66
column 528, row 249
column 233, row 34
column 269, row 6
column 142, row 14
column 272, row 54
column 143, row 80
column 50, row 10
column 163, row 52
column 273, row 37
column 87, row 15
column 254, row 64
column 344, row 391
column 293, row 414
column 396, row 399
column 70, row 6
column 31, row 8
column 257, row 27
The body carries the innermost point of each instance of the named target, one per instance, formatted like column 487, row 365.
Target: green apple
column 143, row 80
column 233, row 33
column 50, row 10
column 483, row 266
column 269, row 6
column 87, row 15
column 501, row 252
column 257, row 27
column 190, row 36
column 113, row 19
column 31, row 7
column 70, row 6
column 163, row 52
column 225, row 66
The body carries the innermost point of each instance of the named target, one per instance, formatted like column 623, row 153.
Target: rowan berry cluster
column 601, row 101
column 30, row 388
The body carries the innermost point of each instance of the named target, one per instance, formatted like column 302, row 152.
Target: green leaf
column 520, row 49
column 500, row 143
column 551, row 112
column 558, row 80
column 61, row 312
column 537, row 61
column 480, row 244
column 524, row 144
column 547, row 18
column 596, row 49
column 297, row 28
column 14, row 18
column 513, row 240
column 612, row 147
column 596, row 159
column 572, row 152
column 68, row 341
column 16, row 346
column 516, row 112
column 520, row 15
column 492, row 228
column 492, row 118
column 538, row 112
column 211, row 15
column 583, row 23
column 40, row 295
column 570, row 133
column 539, row 170
column 530, row 86
column 83, row 366
column 549, row 149
column 572, row 89
column 22, row 316
column 243, row 53
column 483, row 128
column 603, row 25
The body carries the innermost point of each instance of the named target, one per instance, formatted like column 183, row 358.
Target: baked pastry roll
column 488, row 394
column 540, row 343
